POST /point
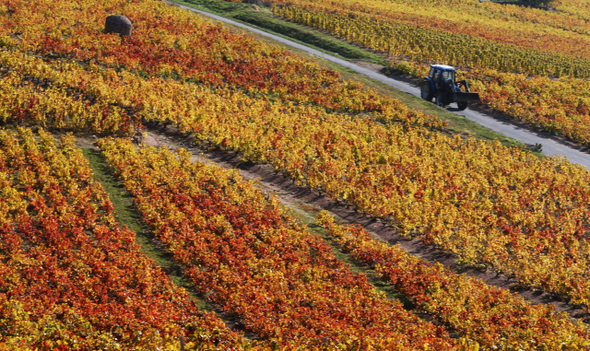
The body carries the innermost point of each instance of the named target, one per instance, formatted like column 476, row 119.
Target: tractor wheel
column 440, row 99
column 462, row 105
column 426, row 91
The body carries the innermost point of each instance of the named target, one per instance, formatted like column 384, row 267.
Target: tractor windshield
column 448, row 76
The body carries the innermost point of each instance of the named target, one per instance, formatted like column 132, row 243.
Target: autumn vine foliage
column 172, row 43
column 70, row 276
column 403, row 32
column 528, row 63
column 96, row 99
column 244, row 253
column 500, row 207
column 494, row 317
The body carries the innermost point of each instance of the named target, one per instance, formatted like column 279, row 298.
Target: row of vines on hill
column 70, row 96
column 70, row 276
column 173, row 43
column 243, row 253
column 421, row 44
column 554, row 32
column 489, row 315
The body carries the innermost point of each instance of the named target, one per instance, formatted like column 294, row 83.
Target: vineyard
column 529, row 64
column 73, row 277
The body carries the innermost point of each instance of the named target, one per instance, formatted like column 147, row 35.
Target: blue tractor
column 441, row 85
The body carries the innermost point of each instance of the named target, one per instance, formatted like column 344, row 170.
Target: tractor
column 441, row 85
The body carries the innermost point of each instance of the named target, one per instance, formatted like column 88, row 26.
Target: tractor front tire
column 462, row 105
column 426, row 91
column 440, row 99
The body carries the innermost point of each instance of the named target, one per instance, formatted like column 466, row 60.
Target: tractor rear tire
column 461, row 105
column 440, row 99
column 426, row 91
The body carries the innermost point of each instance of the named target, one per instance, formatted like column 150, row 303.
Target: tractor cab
column 441, row 85
column 442, row 75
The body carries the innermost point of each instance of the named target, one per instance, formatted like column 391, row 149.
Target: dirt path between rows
column 305, row 202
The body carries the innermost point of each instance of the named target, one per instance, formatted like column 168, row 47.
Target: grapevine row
column 492, row 316
column 562, row 31
column 101, row 100
column 416, row 43
column 171, row 43
column 70, row 276
column 245, row 254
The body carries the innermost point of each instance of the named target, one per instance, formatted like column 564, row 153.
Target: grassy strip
column 305, row 215
column 264, row 19
column 126, row 214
